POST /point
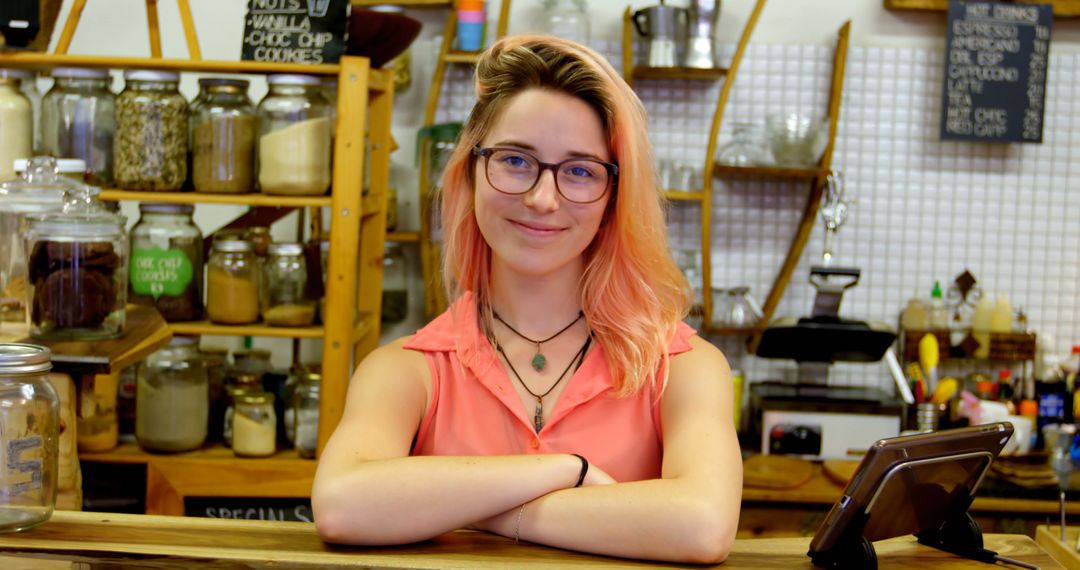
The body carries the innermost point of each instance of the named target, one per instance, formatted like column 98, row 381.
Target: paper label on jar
column 156, row 272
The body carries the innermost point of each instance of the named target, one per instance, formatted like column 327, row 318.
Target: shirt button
column 535, row 443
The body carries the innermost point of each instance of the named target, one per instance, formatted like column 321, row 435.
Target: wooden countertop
column 179, row 542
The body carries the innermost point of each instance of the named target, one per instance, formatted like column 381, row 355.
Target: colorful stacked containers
column 471, row 16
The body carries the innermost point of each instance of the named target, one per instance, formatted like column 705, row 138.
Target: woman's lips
column 536, row 228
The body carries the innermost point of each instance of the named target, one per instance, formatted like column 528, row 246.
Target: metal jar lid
column 19, row 358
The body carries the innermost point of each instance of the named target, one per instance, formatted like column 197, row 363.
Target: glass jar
column 215, row 360
column 172, row 398
column 151, row 144
column 237, row 384
column 285, row 276
column 223, row 137
column 254, row 425
column 78, row 120
column 305, row 414
column 29, row 440
column 437, row 144
column 17, row 118
column 395, row 294
column 567, row 19
column 40, row 189
column 167, row 261
column 232, row 283
column 78, row 270
column 294, row 137
column 747, row 147
column 28, row 86
column 250, row 361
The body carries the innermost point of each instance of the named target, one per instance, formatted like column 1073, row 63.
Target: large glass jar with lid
column 40, row 189
column 167, row 261
column 78, row 270
column 223, row 137
column 305, row 414
column 294, row 137
column 17, row 120
column 254, row 424
column 29, row 440
column 285, row 302
column 232, row 283
column 78, row 120
column 172, row 398
column 151, row 144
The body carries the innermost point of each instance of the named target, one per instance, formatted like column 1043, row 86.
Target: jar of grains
column 254, row 425
column 78, row 120
column 172, row 398
column 294, row 137
column 151, row 145
column 223, row 137
column 232, row 283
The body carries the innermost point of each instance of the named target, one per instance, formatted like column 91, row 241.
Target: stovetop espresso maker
column 665, row 28
column 704, row 15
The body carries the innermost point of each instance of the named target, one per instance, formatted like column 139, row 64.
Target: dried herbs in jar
column 150, row 151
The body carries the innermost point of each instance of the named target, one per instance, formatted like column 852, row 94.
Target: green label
column 157, row 272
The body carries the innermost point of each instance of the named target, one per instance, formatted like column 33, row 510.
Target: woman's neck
column 536, row 305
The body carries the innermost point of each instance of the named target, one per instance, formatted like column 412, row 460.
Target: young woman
column 560, row 400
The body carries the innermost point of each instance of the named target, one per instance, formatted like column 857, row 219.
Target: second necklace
column 538, row 416
column 539, row 361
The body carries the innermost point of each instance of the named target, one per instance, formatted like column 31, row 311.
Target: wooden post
column 154, row 29
column 189, row 30
column 70, row 25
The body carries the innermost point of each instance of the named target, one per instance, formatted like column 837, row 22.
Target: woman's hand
column 597, row 476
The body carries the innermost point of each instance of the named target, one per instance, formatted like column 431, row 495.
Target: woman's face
column 541, row 232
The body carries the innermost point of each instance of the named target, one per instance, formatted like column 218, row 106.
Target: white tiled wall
column 923, row 209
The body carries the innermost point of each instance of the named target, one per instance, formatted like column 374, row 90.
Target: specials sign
column 295, row 31
column 996, row 57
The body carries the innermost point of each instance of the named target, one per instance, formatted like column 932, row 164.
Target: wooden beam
column 190, row 36
column 70, row 25
column 154, row 28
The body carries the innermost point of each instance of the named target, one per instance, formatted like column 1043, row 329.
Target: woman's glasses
column 579, row 180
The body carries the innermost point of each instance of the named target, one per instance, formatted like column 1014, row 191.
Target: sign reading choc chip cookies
column 295, row 31
column 996, row 59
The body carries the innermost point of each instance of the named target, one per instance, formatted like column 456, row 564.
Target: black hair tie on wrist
column 584, row 469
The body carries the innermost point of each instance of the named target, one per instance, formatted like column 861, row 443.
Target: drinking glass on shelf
column 746, row 147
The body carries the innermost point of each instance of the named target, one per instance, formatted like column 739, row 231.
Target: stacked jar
column 78, row 120
column 238, row 385
column 151, row 144
column 167, row 261
column 294, row 137
column 285, row 279
column 17, row 118
column 471, row 16
column 305, row 414
column 223, row 137
column 172, row 398
column 232, row 283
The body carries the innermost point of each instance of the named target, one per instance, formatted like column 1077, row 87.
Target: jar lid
column 247, row 379
column 15, row 73
column 151, row 75
column 386, row 8
column 223, row 82
column 214, row 350
column 252, row 398
column 313, row 377
column 63, row 165
column 81, row 72
column 180, row 340
column 292, row 79
column 40, row 188
column 233, row 246
column 166, row 208
column 257, row 353
column 280, row 248
column 20, row 358
column 82, row 217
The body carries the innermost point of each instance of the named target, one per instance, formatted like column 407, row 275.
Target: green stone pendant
column 539, row 362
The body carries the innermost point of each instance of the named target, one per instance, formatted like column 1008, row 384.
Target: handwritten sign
column 996, row 59
column 269, row 509
column 295, row 31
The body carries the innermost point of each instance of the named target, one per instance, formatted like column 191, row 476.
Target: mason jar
column 78, row 120
column 305, row 414
column 17, row 118
column 29, row 438
column 254, row 425
column 78, row 270
column 151, row 144
column 167, row 261
column 294, row 137
column 172, row 398
column 237, row 384
column 232, row 283
column 223, row 137
column 285, row 302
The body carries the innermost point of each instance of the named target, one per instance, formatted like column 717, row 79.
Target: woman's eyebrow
column 526, row 146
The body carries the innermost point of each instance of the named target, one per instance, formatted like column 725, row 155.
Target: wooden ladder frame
column 192, row 39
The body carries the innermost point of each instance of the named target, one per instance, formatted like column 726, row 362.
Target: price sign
column 295, row 31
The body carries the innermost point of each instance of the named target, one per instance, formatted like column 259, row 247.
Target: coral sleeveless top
column 476, row 411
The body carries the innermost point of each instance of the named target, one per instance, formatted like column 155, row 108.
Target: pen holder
column 926, row 416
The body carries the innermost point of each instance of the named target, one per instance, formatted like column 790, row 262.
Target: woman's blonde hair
column 632, row 293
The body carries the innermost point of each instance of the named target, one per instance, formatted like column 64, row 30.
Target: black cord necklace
column 539, row 361
column 538, row 417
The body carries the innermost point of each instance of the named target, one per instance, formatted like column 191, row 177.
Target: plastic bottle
column 1001, row 320
column 915, row 316
column 1071, row 369
column 980, row 326
column 471, row 16
column 939, row 314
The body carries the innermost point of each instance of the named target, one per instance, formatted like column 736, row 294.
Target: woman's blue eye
column 579, row 171
column 514, row 161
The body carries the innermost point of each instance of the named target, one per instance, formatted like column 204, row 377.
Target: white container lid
column 151, row 75
column 293, row 79
column 63, row 165
column 83, row 72
column 16, row 73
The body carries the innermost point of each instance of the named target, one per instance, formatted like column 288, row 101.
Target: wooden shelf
column 1062, row 8
column 131, row 453
column 256, row 329
column 680, row 196
column 254, row 199
column 771, row 171
column 403, row 237
column 144, row 333
column 695, row 73
column 462, row 57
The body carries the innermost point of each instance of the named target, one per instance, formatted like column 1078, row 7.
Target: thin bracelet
column 517, row 525
column 584, row 469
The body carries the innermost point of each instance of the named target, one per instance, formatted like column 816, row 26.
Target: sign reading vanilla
column 996, row 59
column 295, row 31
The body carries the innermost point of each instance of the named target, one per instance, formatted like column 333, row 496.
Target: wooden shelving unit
column 354, row 272
column 632, row 72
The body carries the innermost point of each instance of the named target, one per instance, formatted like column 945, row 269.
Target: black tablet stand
column 959, row 535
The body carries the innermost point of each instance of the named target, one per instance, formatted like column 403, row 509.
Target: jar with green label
column 166, row 267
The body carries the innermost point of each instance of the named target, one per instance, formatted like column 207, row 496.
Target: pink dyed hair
column 632, row 293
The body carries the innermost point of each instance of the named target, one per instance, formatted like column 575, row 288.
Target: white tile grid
column 924, row 209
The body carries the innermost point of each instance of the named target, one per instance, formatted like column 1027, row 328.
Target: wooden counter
column 178, row 542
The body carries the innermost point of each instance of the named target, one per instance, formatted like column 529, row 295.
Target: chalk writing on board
column 995, row 71
column 295, row 31
column 266, row 509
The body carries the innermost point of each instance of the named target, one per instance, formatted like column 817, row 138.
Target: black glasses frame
column 612, row 170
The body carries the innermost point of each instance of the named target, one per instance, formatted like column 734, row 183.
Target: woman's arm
column 368, row 491
column 691, row 514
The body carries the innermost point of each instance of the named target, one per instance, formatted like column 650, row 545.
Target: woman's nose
column 544, row 196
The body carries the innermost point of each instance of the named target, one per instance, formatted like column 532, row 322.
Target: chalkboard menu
column 270, row 509
column 995, row 71
column 295, row 31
